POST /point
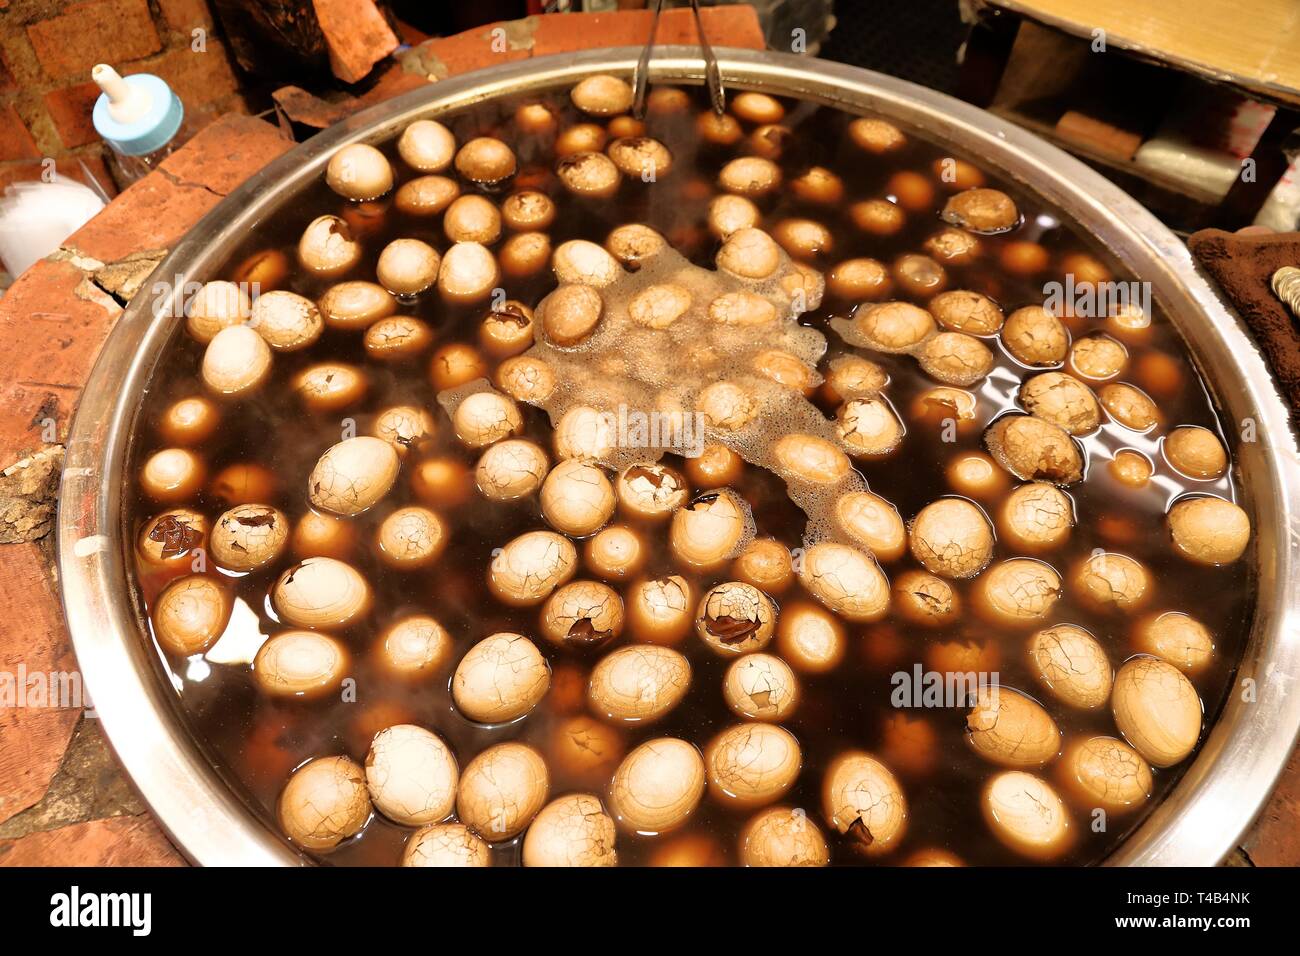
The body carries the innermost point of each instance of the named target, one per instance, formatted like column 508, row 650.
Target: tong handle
column 712, row 74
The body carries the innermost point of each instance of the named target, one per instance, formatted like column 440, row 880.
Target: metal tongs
column 712, row 75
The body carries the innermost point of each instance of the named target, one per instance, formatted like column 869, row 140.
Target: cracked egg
column 657, row 786
column 639, row 683
column 500, row 679
column 411, row 775
column 582, row 615
column 1011, row 729
column 573, row 830
column 863, row 800
column 324, row 803
column 501, row 790
column 735, row 618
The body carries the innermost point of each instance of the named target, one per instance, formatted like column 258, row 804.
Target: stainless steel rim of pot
column 211, row 820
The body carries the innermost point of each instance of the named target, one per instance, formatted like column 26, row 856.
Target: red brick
column 471, row 50
column 32, row 744
column 731, row 25
column 1275, row 838
column 100, row 31
column 24, row 407
column 184, row 15
column 41, row 642
column 117, row 841
column 7, row 81
column 197, row 78
column 357, row 35
column 48, row 339
column 734, row 25
column 70, row 109
column 49, row 333
column 565, row 32
column 156, row 211
column 226, row 153
column 150, row 214
column 32, row 739
column 15, row 141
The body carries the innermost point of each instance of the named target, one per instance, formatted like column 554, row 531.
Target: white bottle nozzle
column 127, row 103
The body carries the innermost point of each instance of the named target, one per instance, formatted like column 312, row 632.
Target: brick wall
column 47, row 48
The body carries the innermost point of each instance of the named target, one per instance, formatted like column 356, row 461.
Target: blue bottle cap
column 153, row 128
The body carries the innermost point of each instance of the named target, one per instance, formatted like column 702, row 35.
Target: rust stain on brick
column 46, row 411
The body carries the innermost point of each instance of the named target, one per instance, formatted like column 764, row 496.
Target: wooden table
column 1248, row 47
column 1252, row 44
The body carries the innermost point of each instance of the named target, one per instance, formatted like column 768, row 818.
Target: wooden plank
column 1252, row 43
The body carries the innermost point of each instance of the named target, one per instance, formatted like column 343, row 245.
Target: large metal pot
column 1198, row 823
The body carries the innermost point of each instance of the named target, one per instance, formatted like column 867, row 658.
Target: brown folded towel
column 1243, row 266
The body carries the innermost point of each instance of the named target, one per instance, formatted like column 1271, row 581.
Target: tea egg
column 321, row 593
column 324, row 803
column 501, row 790
column 190, row 614
column 301, row 664
column 752, row 764
column 782, row 836
column 573, row 830
column 528, row 568
column 1157, row 710
column 446, row 844
column 657, row 786
column 1026, row 814
column 500, row 679
column 353, row 475
column 411, row 775
column 862, row 799
column 639, row 683
column 1011, row 729
column 359, row 171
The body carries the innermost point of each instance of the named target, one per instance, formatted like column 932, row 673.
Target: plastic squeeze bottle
column 140, row 118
